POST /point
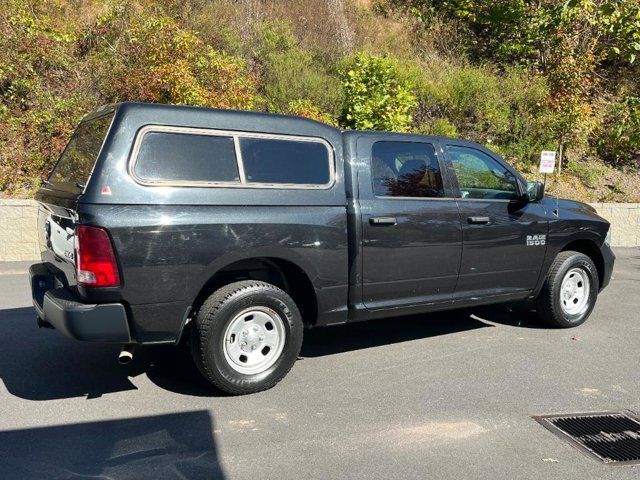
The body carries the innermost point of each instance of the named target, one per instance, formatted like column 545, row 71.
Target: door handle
column 478, row 220
column 379, row 221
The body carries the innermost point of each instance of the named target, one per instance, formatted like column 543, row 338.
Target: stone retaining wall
column 625, row 222
column 18, row 240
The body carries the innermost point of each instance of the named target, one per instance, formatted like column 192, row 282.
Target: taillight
column 96, row 264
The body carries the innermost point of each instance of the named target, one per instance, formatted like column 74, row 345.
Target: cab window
column 480, row 176
column 406, row 169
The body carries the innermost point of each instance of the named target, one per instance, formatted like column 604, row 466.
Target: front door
column 411, row 232
column 504, row 238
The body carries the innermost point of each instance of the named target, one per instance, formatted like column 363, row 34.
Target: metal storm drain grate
column 611, row 437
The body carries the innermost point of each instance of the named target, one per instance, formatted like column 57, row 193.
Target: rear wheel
column 247, row 336
column 570, row 290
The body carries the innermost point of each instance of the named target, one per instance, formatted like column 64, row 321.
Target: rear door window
column 293, row 162
column 77, row 161
column 186, row 157
column 406, row 169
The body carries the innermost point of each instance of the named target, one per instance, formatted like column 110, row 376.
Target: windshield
column 76, row 162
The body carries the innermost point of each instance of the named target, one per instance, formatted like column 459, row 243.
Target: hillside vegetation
column 517, row 76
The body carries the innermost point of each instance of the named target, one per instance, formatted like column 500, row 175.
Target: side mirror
column 535, row 191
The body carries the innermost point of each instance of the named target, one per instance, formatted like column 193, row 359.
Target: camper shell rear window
column 78, row 158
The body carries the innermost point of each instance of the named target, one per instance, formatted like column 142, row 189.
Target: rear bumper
column 609, row 259
column 61, row 308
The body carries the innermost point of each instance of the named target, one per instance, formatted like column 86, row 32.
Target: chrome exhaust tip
column 126, row 355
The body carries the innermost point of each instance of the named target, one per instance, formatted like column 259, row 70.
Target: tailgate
column 59, row 233
column 56, row 235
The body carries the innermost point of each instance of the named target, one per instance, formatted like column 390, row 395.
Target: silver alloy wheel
column 574, row 292
column 254, row 340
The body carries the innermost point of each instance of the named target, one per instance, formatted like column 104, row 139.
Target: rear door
column 411, row 232
column 504, row 238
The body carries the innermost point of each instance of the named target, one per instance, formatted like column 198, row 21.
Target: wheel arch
column 590, row 249
column 283, row 273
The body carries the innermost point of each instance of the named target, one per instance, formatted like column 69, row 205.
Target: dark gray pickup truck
column 234, row 231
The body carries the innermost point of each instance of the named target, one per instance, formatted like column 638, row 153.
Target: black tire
column 216, row 314
column 548, row 303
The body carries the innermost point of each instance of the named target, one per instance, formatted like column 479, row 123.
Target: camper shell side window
column 182, row 156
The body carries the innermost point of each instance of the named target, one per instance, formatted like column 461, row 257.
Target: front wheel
column 246, row 337
column 570, row 290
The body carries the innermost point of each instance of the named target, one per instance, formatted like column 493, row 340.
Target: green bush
column 376, row 97
column 273, row 37
column 527, row 126
column 291, row 73
column 588, row 173
column 306, row 108
column 154, row 60
column 41, row 94
column 440, row 127
column 53, row 72
column 619, row 137
column 508, row 111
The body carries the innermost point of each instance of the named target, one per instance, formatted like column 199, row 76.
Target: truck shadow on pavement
column 374, row 333
column 44, row 365
column 163, row 447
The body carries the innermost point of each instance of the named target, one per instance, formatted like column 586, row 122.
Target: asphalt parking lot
column 438, row 396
